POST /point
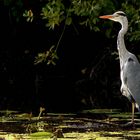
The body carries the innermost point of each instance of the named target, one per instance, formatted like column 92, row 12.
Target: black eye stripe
column 122, row 14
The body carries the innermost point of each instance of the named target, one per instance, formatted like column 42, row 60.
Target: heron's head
column 118, row 16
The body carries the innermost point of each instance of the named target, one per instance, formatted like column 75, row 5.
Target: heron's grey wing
column 132, row 77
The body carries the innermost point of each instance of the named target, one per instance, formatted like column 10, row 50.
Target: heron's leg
column 131, row 124
column 133, row 110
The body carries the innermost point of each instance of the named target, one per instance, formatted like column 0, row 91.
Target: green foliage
column 56, row 13
column 50, row 56
column 89, row 11
column 133, row 10
column 53, row 12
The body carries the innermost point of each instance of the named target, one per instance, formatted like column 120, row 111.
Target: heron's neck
column 120, row 41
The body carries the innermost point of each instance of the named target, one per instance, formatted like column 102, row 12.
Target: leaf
column 29, row 15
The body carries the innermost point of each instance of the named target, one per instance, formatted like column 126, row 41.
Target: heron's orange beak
column 106, row 17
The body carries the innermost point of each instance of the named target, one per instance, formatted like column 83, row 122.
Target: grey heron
column 129, row 64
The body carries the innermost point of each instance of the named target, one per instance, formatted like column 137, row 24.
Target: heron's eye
column 130, row 59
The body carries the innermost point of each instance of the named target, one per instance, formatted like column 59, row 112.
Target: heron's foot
column 128, row 125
